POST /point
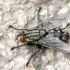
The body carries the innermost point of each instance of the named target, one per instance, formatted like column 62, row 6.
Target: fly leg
column 32, row 56
column 17, row 28
column 39, row 16
column 66, row 26
column 17, row 46
column 40, row 21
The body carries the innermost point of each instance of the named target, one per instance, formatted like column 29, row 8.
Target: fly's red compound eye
column 21, row 38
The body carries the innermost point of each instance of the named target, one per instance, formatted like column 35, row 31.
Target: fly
column 52, row 37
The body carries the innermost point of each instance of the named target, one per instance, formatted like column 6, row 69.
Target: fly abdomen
column 64, row 36
column 55, row 33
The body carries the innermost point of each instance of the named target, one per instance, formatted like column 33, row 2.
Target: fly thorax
column 34, row 35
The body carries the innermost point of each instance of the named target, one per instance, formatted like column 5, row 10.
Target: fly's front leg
column 13, row 27
column 17, row 28
column 17, row 46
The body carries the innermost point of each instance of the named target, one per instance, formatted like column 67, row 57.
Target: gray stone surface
column 23, row 14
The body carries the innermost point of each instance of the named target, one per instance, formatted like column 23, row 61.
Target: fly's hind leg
column 40, row 21
column 66, row 26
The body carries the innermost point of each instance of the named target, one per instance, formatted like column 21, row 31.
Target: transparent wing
column 49, row 26
column 54, row 43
